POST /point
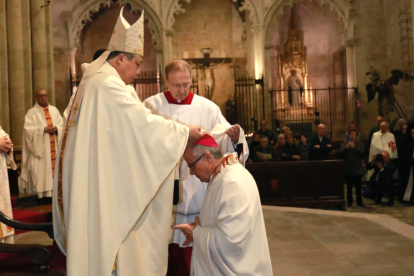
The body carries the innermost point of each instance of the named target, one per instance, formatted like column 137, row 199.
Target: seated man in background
column 320, row 145
column 264, row 131
column 253, row 144
column 382, row 179
column 264, row 152
column 290, row 151
column 230, row 235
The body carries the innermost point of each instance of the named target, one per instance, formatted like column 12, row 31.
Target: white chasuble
column 382, row 142
column 199, row 111
column 231, row 239
column 116, row 177
column 6, row 160
column 37, row 173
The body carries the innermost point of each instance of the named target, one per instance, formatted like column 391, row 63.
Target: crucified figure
column 208, row 72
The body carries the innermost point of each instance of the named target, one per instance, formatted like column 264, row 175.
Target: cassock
column 39, row 150
column 6, row 160
column 116, row 177
column 231, row 239
column 382, row 142
column 193, row 110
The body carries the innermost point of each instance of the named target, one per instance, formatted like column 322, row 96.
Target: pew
column 300, row 184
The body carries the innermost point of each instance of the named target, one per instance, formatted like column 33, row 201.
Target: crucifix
column 208, row 64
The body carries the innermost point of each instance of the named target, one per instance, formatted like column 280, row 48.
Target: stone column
column 167, row 43
column 259, row 64
column 4, row 76
column 42, row 49
column 160, row 64
column 351, row 70
column 16, row 65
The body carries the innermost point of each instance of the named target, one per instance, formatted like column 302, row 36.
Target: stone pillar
column 4, row 76
column 259, row 64
column 351, row 71
column 42, row 48
column 160, row 64
column 18, row 42
column 167, row 42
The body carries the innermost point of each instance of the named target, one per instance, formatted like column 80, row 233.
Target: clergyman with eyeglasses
column 183, row 106
column 43, row 126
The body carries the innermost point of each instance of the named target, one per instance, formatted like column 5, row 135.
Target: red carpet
column 13, row 202
column 29, row 217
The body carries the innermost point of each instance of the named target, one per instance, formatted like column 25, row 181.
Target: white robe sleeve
column 225, row 142
column 33, row 137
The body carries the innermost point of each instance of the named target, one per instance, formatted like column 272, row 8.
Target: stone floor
column 376, row 240
column 320, row 242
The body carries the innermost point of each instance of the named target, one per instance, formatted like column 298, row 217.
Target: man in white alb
column 181, row 105
column 43, row 126
column 230, row 235
column 382, row 140
column 115, row 169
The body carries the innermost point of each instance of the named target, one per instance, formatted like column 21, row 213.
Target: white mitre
column 127, row 38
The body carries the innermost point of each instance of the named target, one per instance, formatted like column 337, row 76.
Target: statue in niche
column 385, row 88
column 231, row 109
column 294, row 88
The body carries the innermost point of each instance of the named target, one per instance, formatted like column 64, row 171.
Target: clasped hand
column 6, row 145
column 50, row 129
column 188, row 230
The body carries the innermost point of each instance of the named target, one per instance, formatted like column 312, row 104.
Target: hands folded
column 187, row 230
column 6, row 145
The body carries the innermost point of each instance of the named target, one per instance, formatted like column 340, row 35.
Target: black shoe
column 390, row 203
column 349, row 205
column 361, row 205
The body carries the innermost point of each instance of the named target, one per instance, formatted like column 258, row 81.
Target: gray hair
column 281, row 136
column 114, row 54
column 198, row 150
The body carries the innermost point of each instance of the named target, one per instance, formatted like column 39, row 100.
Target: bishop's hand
column 194, row 133
column 6, row 145
column 234, row 133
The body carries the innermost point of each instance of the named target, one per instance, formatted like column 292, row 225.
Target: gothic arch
column 82, row 13
column 343, row 9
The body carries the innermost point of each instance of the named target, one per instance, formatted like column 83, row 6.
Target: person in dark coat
column 381, row 180
column 406, row 155
column 264, row 131
column 304, row 147
column 254, row 144
column 353, row 154
column 290, row 151
column 263, row 149
column 320, row 145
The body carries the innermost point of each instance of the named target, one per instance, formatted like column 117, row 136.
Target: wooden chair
column 22, row 259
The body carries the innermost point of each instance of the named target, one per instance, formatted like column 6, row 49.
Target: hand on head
column 194, row 134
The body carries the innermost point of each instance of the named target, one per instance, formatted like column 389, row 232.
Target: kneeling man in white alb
column 230, row 235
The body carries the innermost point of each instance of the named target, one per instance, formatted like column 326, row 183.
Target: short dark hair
column 263, row 137
column 98, row 53
column 254, row 134
column 114, row 54
column 353, row 130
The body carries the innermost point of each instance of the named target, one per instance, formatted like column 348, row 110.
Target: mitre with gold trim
column 127, row 38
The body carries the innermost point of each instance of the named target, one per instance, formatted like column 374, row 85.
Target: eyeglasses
column 190, row 166
column 42, row 96
column 184, row 85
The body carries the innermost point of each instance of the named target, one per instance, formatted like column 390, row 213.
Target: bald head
column 386, row 156
column 41, row 98
column 321, row 129
column 384, row 127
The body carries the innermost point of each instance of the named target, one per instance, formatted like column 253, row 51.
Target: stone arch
column 342, row 7
column 81, row 15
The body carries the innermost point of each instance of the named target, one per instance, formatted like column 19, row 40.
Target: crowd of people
column 385, row 158
column 267, row 147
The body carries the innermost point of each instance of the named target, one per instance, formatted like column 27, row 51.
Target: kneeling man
column 230, row 236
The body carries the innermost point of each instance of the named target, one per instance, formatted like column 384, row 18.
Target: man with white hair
column 319, row 145
column 230, row 236
column 383, row 140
